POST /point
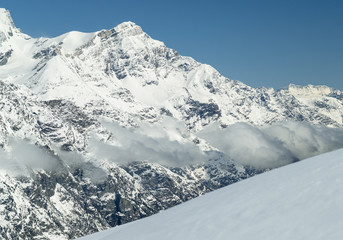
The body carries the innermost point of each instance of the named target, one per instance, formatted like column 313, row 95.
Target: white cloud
column 168, row 143
column 273, row 145
column 162, row 143
column 22, row 156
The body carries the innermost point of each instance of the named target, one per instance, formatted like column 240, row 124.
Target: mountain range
column 100, row 129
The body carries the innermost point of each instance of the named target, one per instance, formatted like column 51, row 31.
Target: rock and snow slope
column 298, row 201
column 99, row 129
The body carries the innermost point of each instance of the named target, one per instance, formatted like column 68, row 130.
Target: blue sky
column 260, row 42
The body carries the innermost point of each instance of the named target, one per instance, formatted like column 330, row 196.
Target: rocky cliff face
column 100, row 129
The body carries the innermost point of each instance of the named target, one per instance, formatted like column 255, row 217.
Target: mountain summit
column 7, row 27
column 100, row 129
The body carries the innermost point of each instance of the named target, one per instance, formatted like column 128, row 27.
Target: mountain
column 299, row 201
column 100, row 129
column 123, row 73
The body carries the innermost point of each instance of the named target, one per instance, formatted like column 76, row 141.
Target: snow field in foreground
column 298, row 201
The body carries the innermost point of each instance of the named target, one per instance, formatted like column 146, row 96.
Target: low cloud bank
column 274, row 145
column 168, row 143
column 163, row 143
column 22, row 156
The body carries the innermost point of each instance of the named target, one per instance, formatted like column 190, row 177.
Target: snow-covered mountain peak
column 7, row 27
column 309, row 90
column 126, row 26
column 123, row 30
column 70, row 41
column 127, row 37
column 5, row 19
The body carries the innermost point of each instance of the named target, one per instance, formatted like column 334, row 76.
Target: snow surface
column 298, row 201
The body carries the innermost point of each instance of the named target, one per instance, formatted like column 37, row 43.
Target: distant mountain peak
column 126, row 25
column 7, row 27
column 309, row 90
column 128, row 29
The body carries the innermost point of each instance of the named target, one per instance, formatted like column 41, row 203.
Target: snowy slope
column 298, row 201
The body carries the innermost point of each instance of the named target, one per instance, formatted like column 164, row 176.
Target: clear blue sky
column 260, row 42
